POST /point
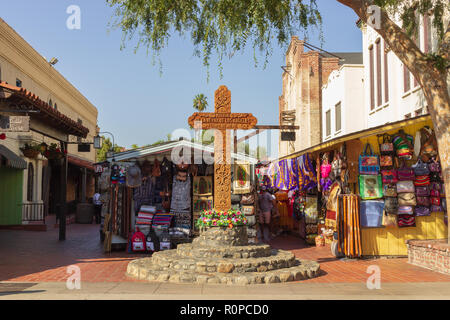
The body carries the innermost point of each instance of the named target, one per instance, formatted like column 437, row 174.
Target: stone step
column 236, row 252
column 171, row 260
column 143, row 269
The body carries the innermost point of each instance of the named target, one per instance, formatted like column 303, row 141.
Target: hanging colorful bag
column 389, row 176
column 406, row 210
column 407, row 199
column 406, row 221
column 423, row 201
column 371, row 212
column 405, row 173
column 404, row 145
column 435, row 177
column 435, row 201
column 390, row 190
column 405, row 186
column 391, row 204
column 422, row 211
column 387, row 147
column 421, row 168
column 368, row 162
column 436, row 208
column 434, row 166
column 370, row 187
column 422, row 191
column 386, row 162
column 422, row 181
column 325, row 168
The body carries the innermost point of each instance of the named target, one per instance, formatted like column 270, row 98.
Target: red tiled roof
column 47, row 113
column 80, row 162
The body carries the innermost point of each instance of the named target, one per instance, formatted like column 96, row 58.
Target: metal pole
column 63, row 199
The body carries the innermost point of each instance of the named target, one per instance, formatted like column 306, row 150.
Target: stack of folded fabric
column 145, row 215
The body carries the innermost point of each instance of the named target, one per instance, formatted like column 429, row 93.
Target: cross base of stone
column 222, row 256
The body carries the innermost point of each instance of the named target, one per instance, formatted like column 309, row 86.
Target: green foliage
column 223, row 26
column 200, row 102
column 106, row 147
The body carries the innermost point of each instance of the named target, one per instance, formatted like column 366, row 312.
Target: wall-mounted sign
column 84, row 147
column 287, row 136
column 14, row 123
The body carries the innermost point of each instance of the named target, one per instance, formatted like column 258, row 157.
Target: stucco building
column 31, row 86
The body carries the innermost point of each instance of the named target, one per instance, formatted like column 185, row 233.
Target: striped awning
column 12, row 160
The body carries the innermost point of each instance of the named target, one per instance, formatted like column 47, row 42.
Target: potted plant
column 53, row 152
column 31, row 150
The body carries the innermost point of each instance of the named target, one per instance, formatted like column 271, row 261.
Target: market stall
column 369, row 191
column 150, row 199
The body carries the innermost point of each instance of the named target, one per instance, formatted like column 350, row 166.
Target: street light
column 98, row 142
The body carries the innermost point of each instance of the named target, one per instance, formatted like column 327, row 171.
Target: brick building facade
column 301, row 100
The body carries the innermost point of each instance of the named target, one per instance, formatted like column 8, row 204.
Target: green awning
column 12, row 160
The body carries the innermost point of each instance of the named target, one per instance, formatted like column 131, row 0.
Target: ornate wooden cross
column 224, row 121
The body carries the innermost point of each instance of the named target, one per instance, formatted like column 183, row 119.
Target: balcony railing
column 33, row 212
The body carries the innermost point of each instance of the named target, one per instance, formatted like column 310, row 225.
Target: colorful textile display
column 162, row 219
column 311, row 210
column 180, row 205
column 307, row 177
column 202, row 186
column 282, row 199
column 143, row 194
column 348, row 224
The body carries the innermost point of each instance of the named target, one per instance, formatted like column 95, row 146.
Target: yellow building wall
column 392, row 241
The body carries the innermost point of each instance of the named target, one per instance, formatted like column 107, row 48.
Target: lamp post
column 98, row 142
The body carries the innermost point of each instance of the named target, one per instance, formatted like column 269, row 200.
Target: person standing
column 98, row 207
column 266, row 203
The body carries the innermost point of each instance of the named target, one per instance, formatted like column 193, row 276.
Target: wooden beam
column 275, row 127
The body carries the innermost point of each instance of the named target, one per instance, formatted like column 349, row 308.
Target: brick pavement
column 28, row 256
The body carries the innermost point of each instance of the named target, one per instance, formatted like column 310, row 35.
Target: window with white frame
column 378, row 74
column 328, row 122
column 337, row 113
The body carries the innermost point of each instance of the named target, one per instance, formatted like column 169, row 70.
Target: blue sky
column 135, row 102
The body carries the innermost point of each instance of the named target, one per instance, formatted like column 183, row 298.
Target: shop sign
column 14, row 123
column 287, row 136
column 84, row 147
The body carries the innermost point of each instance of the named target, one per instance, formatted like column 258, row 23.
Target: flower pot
column 30, row 153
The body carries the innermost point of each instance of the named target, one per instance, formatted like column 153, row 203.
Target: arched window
column 56, row 106
column 30, row 182
column 50, row 103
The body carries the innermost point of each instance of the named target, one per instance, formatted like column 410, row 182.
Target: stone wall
column 430, row 254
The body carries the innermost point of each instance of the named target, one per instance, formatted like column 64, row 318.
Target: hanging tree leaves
column 220, row 26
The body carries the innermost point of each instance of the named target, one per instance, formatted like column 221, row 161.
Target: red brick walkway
column 27, row 256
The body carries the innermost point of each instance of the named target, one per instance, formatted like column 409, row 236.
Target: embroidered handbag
column 235, row 198
column 422, row 191
column 406, row 221
column 405, row 210
column 247, row 199
column 435, row 208
column 368, row 162
column 421, row 168
column 422, row 180
column 434, row 192
column 405, row 186
column 422, row 211
column 435, row 177
column 423, row 201
column 390, row 204
column 405, row 173
column 403, row 145
column 325, row 168
column 434, row 166
column 387, row 147
column 389, row 220
column 407, row 199
column 386, row 162
column 436, row 201
column 389, row 176
column 390, row 190
column 371, row 212
column 370, row 187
